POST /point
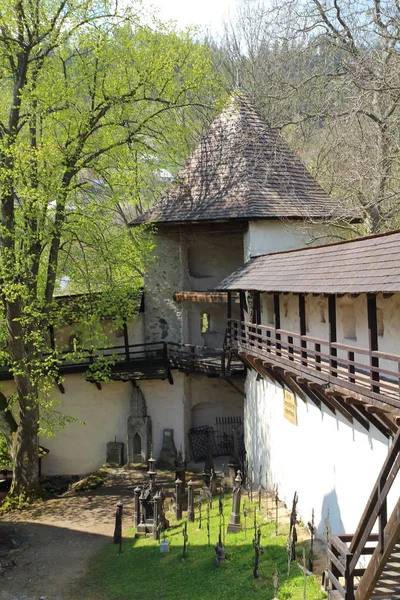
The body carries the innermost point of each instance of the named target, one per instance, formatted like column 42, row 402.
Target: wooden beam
column 310, row 394
column 381, row 404
column 351, row 400
column 373, row 339
column 263, row 369
column 243, row 305
column 339, row 404
column 319, row 392
column 387, row 421
column 303, row 327
column 371, row 408
column 373, row 420
column 357, row 416
column 332, row 332
column 280, row 379
column 257, row 308
column 229, row 306
column 292, row 385
column 277, row 315
column 235, row 387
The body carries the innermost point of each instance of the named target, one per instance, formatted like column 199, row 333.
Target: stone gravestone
column 115, row 454
column 168, row 454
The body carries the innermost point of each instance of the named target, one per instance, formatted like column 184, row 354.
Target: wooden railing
column 170, row 354
column 196, row 358
column 373, row 374
column 345, row 551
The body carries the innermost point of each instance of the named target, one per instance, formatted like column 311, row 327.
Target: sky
column 206, row 13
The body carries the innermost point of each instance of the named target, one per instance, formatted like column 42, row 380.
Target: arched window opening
column 205, row 322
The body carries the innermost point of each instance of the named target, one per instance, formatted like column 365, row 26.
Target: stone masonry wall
column 163, row 316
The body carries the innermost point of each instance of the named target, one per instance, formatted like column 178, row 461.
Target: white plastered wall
column 211, row 397
column 113, row 336
column 275, row 235
column 166, row 407
column 331, row 464
column 80, row 448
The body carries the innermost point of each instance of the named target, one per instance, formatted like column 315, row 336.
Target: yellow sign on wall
column 290, row 406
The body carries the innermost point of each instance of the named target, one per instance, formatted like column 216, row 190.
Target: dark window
column 137, row 444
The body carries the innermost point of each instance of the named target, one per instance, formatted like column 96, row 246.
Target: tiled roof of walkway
column 363, row 265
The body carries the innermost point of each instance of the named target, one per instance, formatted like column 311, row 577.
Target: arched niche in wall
column 348, row 320
column 203, row 413
column 201, row 261
column 137, row 444
column 269, row 309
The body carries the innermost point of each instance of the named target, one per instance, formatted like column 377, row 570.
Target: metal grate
column 224, row 427
column 198, row 440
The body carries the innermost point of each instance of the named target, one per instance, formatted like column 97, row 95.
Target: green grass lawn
column 141, row 572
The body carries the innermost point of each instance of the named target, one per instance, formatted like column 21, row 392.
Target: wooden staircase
column 388, row 583
column 380, row 579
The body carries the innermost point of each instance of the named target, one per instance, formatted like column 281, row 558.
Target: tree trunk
column 25, row 448
column 25, row 444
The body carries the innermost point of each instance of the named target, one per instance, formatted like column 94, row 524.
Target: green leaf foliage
column 94, row 104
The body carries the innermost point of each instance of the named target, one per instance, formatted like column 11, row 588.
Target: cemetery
column 240, row 541
column 199, row 391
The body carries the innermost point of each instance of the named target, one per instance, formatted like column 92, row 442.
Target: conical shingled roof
column 241, row 169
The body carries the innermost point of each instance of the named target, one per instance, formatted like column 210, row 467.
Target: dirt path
column 60, row 536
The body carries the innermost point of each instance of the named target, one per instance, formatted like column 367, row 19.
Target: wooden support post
column 243, row 308
column 373, row 341
column 277, row 313
column 332, row 333
column 126, row 342
column 229, row 306
column 257, row 316
column 257, row 308
column 243, row 305
column 303, row 327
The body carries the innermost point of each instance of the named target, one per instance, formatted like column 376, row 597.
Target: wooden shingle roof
column 241, row 169
column 363, row 265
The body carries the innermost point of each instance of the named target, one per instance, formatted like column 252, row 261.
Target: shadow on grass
column 143, row 572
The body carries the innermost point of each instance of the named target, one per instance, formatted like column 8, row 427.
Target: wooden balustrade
column 131, row 356
column 371, row 373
